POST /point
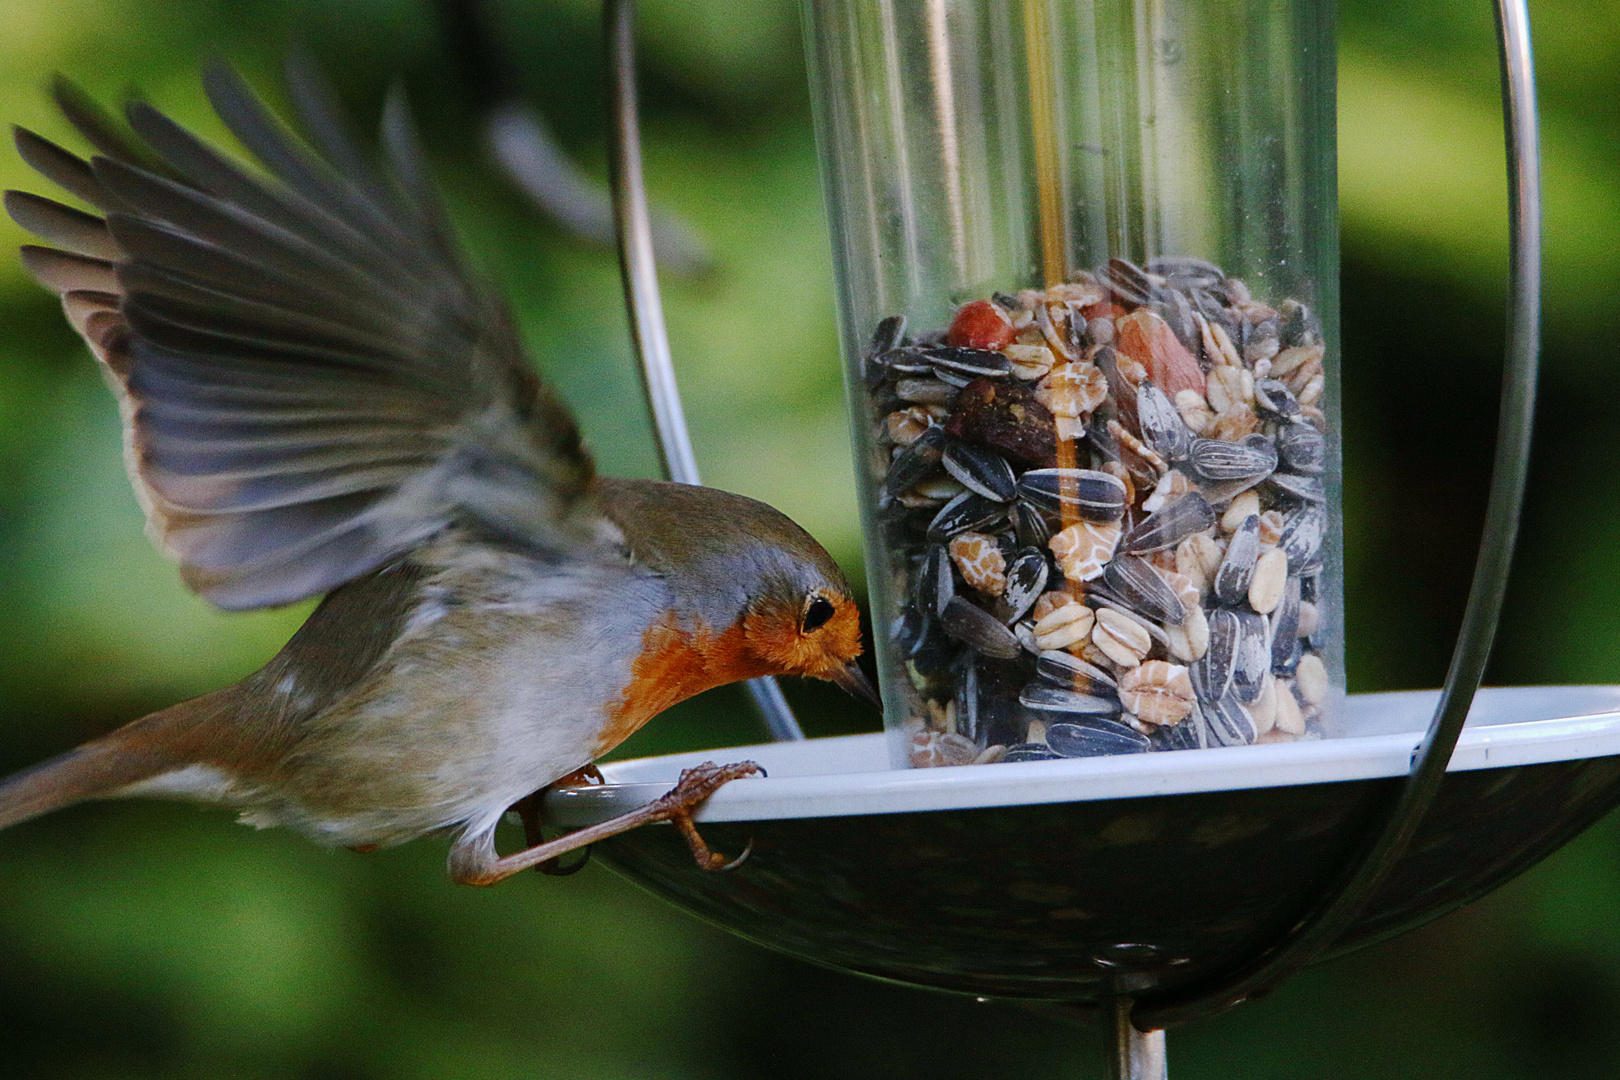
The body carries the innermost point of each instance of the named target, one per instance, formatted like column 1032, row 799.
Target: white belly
column 477, row 705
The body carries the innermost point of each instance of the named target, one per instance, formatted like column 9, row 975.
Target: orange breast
column 675, row 663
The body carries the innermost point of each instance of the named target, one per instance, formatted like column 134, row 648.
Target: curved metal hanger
column 639, row 269
column 1332, row 913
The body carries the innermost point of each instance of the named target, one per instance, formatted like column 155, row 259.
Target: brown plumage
column 318, row 397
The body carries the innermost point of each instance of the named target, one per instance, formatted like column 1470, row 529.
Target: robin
column 318, row 397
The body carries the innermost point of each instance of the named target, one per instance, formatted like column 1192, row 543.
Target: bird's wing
column 312, row 383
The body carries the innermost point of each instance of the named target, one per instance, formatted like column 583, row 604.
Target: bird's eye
column 816, row 613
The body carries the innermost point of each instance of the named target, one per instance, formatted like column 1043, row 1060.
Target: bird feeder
column 1087, row 265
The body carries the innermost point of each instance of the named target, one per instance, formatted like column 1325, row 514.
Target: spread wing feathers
column 311, row 381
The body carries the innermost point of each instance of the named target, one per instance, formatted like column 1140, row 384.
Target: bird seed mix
column 1106, row 508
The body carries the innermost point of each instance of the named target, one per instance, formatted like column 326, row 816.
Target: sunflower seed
column 1262, row 344
column 934, row 652
column 1044, row 697
column 978, row 629
column 1231, row 584
column 889, row 334
column 1215, row 460
column 1285, row 629
column 1127, row 281
column 1212, row 676
column 906, row 360
column 1274, row 399
column 1077, row 328
column 1302, row 537
column 936, row 580
column 1308, row 489
column 1095, row 738
column 1177, row 314
column 908, row 629
column 1251, row 660
column 968, row 510
column 1162, row 426
column 967, row 699
column 1031, row 752
column 1030, row 525
column 1170, row 526
column 1093, row 495
column 1103, row 444
column 1026, row 580
column 925, row 391
column 1200, row 271
column 983, row 471
column 1229, row 722
column 973, row 363
column 1182, row 736
column 1286, row 648
column 1299, row 325
column 1072, row 673
column 1302, row 449
column 1143, row 589
column 914, row 462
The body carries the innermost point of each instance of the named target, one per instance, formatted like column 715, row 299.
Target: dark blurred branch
column 518, row 139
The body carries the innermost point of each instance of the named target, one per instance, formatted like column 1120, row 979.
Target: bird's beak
column 856, row 684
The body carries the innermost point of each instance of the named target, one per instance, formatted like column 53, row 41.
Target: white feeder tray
column 1047, row 880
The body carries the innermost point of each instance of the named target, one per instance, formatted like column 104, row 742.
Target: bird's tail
column 98, row 769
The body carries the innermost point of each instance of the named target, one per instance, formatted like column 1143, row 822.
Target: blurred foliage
column 150, row 940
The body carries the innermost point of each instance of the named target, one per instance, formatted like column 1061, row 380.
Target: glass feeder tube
column 1087, row 266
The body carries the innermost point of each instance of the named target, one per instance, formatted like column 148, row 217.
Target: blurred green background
column 155, row 940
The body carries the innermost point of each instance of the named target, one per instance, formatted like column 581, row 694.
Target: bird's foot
column 696, row 785
column 473, row 860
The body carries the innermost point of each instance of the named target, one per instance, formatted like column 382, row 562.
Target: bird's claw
column 696, row 785
column 748, row 849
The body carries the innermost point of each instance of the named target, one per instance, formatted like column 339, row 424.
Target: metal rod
column 639, row 270
column 1133, row 1054
column 1331, row 915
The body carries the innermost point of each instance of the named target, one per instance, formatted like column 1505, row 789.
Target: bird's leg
column 532, row 813
column 473, row 860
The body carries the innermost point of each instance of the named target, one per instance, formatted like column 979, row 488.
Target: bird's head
column 749, row 575
column 803, row 621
